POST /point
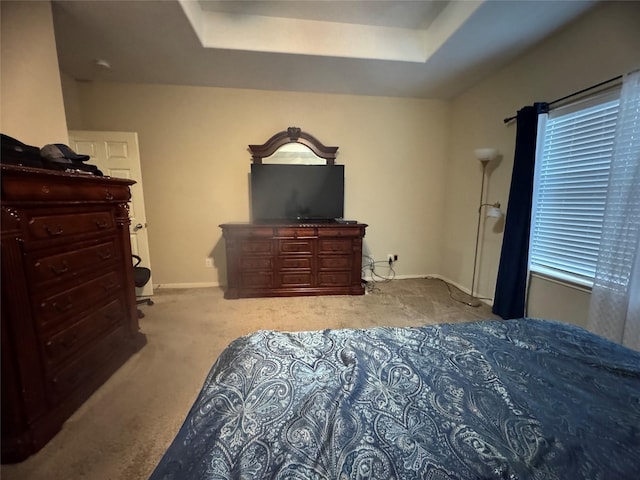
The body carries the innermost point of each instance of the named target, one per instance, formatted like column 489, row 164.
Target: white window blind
column 572, row 172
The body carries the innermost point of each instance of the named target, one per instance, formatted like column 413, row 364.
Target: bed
column 516, row 399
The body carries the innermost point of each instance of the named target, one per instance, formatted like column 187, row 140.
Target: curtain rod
column 507, row 120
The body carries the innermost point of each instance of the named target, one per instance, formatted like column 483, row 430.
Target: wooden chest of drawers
column 293, row 259
column 69, row 318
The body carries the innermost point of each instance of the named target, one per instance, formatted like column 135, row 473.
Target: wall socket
column 392, row 258
column 208, row 262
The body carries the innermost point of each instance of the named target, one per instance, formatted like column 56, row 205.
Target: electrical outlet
column 208, row 262
column 390, row 258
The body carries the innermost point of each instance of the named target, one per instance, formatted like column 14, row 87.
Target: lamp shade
column 485, row 154
column 494, row 212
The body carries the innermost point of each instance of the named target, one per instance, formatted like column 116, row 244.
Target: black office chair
column 141, row 276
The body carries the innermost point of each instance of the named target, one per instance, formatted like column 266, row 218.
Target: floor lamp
column 484, row 155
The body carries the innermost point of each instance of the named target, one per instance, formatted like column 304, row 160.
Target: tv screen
column 297, row 192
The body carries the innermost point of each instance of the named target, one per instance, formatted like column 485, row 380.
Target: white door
column 116, row 154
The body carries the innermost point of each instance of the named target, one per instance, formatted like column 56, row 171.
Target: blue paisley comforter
column 517, row 399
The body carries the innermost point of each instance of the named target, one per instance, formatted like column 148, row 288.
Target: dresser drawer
column 60, row 226
column 295, row 279
column 294, row 263
column 68, row 265
column 81, row 370
column 256, row 263
column 68, row 342
column 340, row 232
column 60, row 308
column 334, row 262
column 255, row 247
column 335, row 245
column 333, row 279
column 257, row 280
column 244, row 232
column 57, row 187
column 295, row 232
column 288, row 247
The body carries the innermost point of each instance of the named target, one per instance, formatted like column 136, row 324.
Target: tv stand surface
column 292, row 259
column 346, row 222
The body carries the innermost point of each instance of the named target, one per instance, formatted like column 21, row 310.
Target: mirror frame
column 292, row 135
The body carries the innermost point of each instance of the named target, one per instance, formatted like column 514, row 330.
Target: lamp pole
column 474, row 302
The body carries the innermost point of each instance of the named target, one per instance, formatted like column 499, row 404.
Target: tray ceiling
column 423, row 49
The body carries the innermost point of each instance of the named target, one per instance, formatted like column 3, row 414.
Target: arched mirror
column 293, row 147
column 294, row 154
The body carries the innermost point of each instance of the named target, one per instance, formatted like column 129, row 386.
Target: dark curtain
column 510, row 295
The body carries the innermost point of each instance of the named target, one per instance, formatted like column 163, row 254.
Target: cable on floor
column 449, row 288
column 375, row 278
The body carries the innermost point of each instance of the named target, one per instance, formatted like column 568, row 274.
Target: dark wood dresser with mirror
column 69, row 318
column 297, row 242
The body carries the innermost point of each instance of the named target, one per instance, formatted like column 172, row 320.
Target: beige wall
column 195, row 165
column 30, row 95
column 575, row 58
column 555, row 300
column 72, row 106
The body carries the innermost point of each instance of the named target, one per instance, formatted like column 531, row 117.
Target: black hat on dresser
column 61, row 153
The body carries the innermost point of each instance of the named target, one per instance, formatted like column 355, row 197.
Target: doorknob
column 137, row 227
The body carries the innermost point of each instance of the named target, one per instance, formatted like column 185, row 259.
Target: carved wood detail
column 293, row 135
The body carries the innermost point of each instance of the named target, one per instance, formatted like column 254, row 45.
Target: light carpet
column 121, row 432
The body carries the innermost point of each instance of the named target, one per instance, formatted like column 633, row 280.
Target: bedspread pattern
column 517, row 399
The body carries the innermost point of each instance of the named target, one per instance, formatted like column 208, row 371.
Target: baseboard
column 380, row 278
column 217, row 284
column 187, row 285
column 367, row 278
column 462, row 288
column 429, row 275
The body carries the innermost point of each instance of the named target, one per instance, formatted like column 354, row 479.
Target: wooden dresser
column 266, row 260
column 69, row 317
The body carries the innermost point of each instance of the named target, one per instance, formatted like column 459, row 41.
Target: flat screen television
column 297, row 192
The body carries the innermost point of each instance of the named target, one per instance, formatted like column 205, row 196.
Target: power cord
column 370, row 265
column 449, row 286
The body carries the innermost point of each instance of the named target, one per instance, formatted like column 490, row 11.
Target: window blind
column 572, row 173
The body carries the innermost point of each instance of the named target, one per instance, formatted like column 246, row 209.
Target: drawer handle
column 104, row 255
column 69, row 342
column 108, row 195
column 102, row 223
column 109, row 286
column 70, row 381
column 54, row 232
column 64, row 268
column 66, row 343
column 64, row 308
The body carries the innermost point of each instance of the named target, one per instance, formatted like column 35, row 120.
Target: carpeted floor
column 121, row 432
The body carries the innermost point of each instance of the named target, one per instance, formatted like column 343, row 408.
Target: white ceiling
column 396, row 13
column 417, row 48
